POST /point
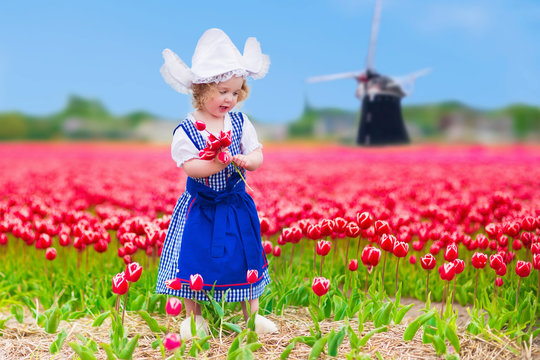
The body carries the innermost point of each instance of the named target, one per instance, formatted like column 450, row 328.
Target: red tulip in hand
column 199, row 125
column 225, row 138
column 320, row 286
column 172, row 341
column 224, row 157
column 133, row 272
column 196, row 282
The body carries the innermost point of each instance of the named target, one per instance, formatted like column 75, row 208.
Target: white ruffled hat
column 216, row 59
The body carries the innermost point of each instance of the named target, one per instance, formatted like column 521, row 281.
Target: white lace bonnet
column 215, row 59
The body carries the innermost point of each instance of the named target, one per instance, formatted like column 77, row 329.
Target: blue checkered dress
column 168, row 267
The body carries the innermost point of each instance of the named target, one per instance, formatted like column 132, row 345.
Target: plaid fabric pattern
column 169, row 256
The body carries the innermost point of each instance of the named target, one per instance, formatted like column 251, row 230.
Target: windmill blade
column 373, row 38
column 352, row 74
column 406, row 82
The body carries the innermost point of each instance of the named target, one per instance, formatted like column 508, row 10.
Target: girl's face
column 225, row 97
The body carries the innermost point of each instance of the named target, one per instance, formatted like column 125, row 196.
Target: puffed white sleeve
column 249, row 141
column 182, row 149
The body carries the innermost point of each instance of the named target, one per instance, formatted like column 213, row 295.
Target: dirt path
column 28, row 341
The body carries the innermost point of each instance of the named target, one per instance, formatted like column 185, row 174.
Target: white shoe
column 264, row 326
column 185, row 327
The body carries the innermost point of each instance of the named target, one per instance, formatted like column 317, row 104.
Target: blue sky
column 484, row 53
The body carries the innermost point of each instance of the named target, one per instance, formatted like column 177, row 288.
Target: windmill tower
column 381, row 120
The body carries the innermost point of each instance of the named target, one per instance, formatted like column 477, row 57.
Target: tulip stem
column 454, row 292
column 292, row 254
column 117, row 303
column 397, row 268
column 125, row 305
column 322, row 263
column 347, row 253
column 496, row 291
column 315, row 257
column 358, row 246
column 240, row 173
column 366, row 282
column 475, row 287
column 517, row 294
column 427, row 286
column 444, row 298
column 383, row 268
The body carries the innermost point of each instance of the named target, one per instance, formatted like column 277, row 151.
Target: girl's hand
column 241, row 160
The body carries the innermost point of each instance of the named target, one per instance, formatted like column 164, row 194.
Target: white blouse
column 182, row 149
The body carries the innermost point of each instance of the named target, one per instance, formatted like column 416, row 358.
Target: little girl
column 214, row 230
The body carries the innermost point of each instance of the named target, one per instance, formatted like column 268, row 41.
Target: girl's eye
column 235, row 93
column 222, row 92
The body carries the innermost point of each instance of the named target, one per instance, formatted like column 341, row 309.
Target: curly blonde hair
column 204, row 92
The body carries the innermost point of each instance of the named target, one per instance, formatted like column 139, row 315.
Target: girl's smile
column 225, row 98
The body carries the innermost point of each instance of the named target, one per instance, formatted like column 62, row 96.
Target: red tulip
column 498, row 282
column 451, row 253
column 535, row 248
column 213, row 143
column 374, row 256
column 252, row 276
column 523, row 268
column 364, row 220
column 400, row 249
column 320, row 286
column 133, row 272
column 482, row 241
column 501, row 270
column 196, row 282
column 119, row 284
column 496, row 261
column 64, row 239
column 314, row 232
column 353, row 265
column 517, row 245
column 447, row 271
column 199, row 125
column 50, row 254
column 224, row 157
column 387, row 242
column 536, row 261
column 528, row 223
column 174, row 306
column 352, row 230
column 460, row 265
column 3, row 239
column 503, row 240
column 265, row 226
column 412, row 259
column 492, row 230
column 479, row 260
column 225, row 138
column 268, row 247
column 277, row 251
column 172, row 341
column 323, row 247
column 382, row 227
column 327, row 227
column 340, row 225
column 173, row 284
column 511, row 229
column 207, row 154
column 101, row 246
column 428, row 262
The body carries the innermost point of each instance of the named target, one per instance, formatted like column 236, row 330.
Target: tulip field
column 422, row 251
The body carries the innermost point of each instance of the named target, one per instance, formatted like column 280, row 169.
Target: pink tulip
column 120, row 284
column 252, row 276
column 320, row 286
column 196, row 282
column 133, row 272
column 353, row 265
column 50, row 254
column 172, row 341
column 174, row 306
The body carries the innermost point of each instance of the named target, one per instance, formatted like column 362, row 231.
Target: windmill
column 381, row 121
